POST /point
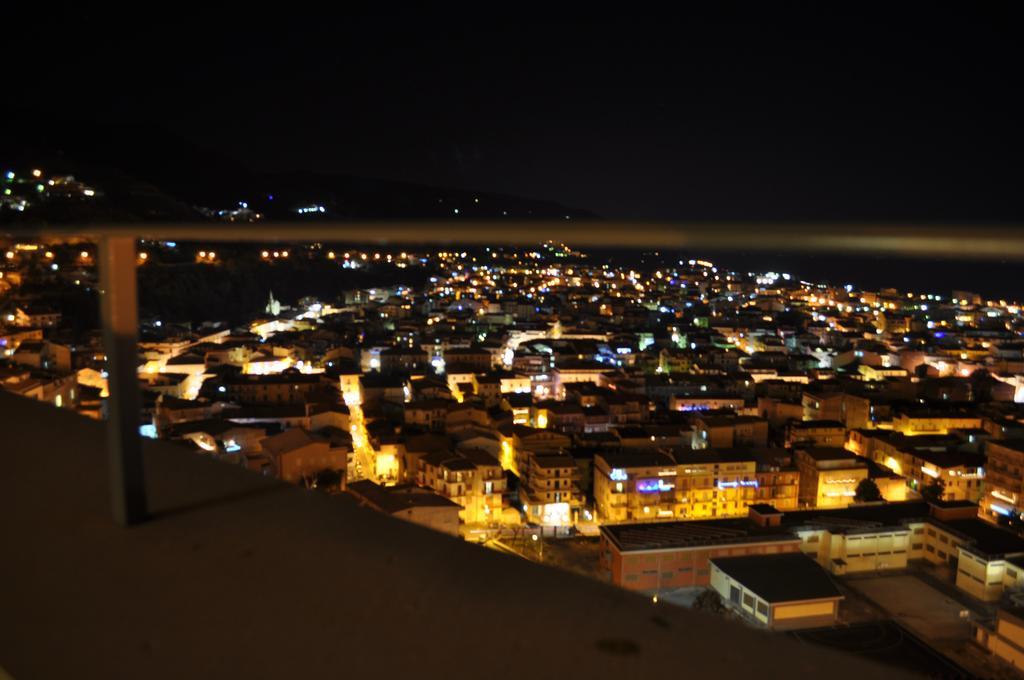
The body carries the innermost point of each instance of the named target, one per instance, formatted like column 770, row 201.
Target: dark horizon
column 638, row 121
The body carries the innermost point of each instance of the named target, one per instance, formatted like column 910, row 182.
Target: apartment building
column 636, row 486
column 472, row 479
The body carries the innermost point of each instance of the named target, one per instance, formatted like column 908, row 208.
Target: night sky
column 914, row 119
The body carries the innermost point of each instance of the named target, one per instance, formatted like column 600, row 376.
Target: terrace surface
column 240, row 576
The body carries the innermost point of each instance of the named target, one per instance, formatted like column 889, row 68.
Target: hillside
column 148, row 174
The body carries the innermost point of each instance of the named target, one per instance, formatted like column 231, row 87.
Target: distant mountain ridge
column 149, row 174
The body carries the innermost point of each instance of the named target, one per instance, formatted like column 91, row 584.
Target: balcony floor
column 239, row 576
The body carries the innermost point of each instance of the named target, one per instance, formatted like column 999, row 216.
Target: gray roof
column 782, row 577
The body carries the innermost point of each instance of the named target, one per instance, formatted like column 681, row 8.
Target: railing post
column 120, row 314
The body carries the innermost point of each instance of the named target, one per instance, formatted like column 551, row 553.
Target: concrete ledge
column 239, row 576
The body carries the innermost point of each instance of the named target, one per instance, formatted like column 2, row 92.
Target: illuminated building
column 880, row 373
column 468, row 359
column 472, row 479
column 671, row 360
column 349, row 385
column 924, row 460
column 669, row 555
column 411, row 503
column 781, row 591
column 221, row 437
column 828, row 476
column 514, row 383
column 721, row 432
column 779, row 412
column 982, row 557
column 297, row 454
column 815, row 433
column 852, row 411
column 569, row 371
column 548, row 490
column 280, row 388
column 705, row 402
column 852, row 540
column 523, row 438
column 403, row 360
column 32, row 316
column 61, row 391
column 1004, row 479
column 1004, row 637
column 428, row 414
column 520, row 405
column 563, row 416
column 715, row 483
column 651, row 436
column 635, row 487
column 926, row 421
column 376, row 388
column 263, row 364
column 465, row 416
column 46, row 355
column 778, row 485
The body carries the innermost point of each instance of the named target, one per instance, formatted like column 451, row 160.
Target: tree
column 934, row 490
column 867, row 492
column 709, row 601
column 328, row 480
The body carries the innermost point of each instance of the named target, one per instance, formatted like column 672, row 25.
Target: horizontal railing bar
column 1003, row 241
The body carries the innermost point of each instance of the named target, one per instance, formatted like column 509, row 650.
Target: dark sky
column 917, row 118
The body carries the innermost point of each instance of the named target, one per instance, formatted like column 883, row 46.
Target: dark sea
column 993, row 279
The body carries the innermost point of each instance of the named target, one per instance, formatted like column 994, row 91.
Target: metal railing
column 119, row 288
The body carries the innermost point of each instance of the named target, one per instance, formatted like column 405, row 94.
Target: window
column 929, row 548
column 943, row 538
column 762, row 608
column 942, row 555
column 917, row 546
column 748, row 600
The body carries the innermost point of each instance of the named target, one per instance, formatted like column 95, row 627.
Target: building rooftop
column 816, row 424
column 857, row 517
column 829, row 453
column 397, row 498
column 782, row 577
column 637, row 459
column 985, row 538
column 668, row 535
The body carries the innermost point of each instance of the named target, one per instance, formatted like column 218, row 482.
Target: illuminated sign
column 618, row 475
column 733, row 485
column 1001, row 510
column 653, row 485
column 1002, row 496
column 555, row 514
